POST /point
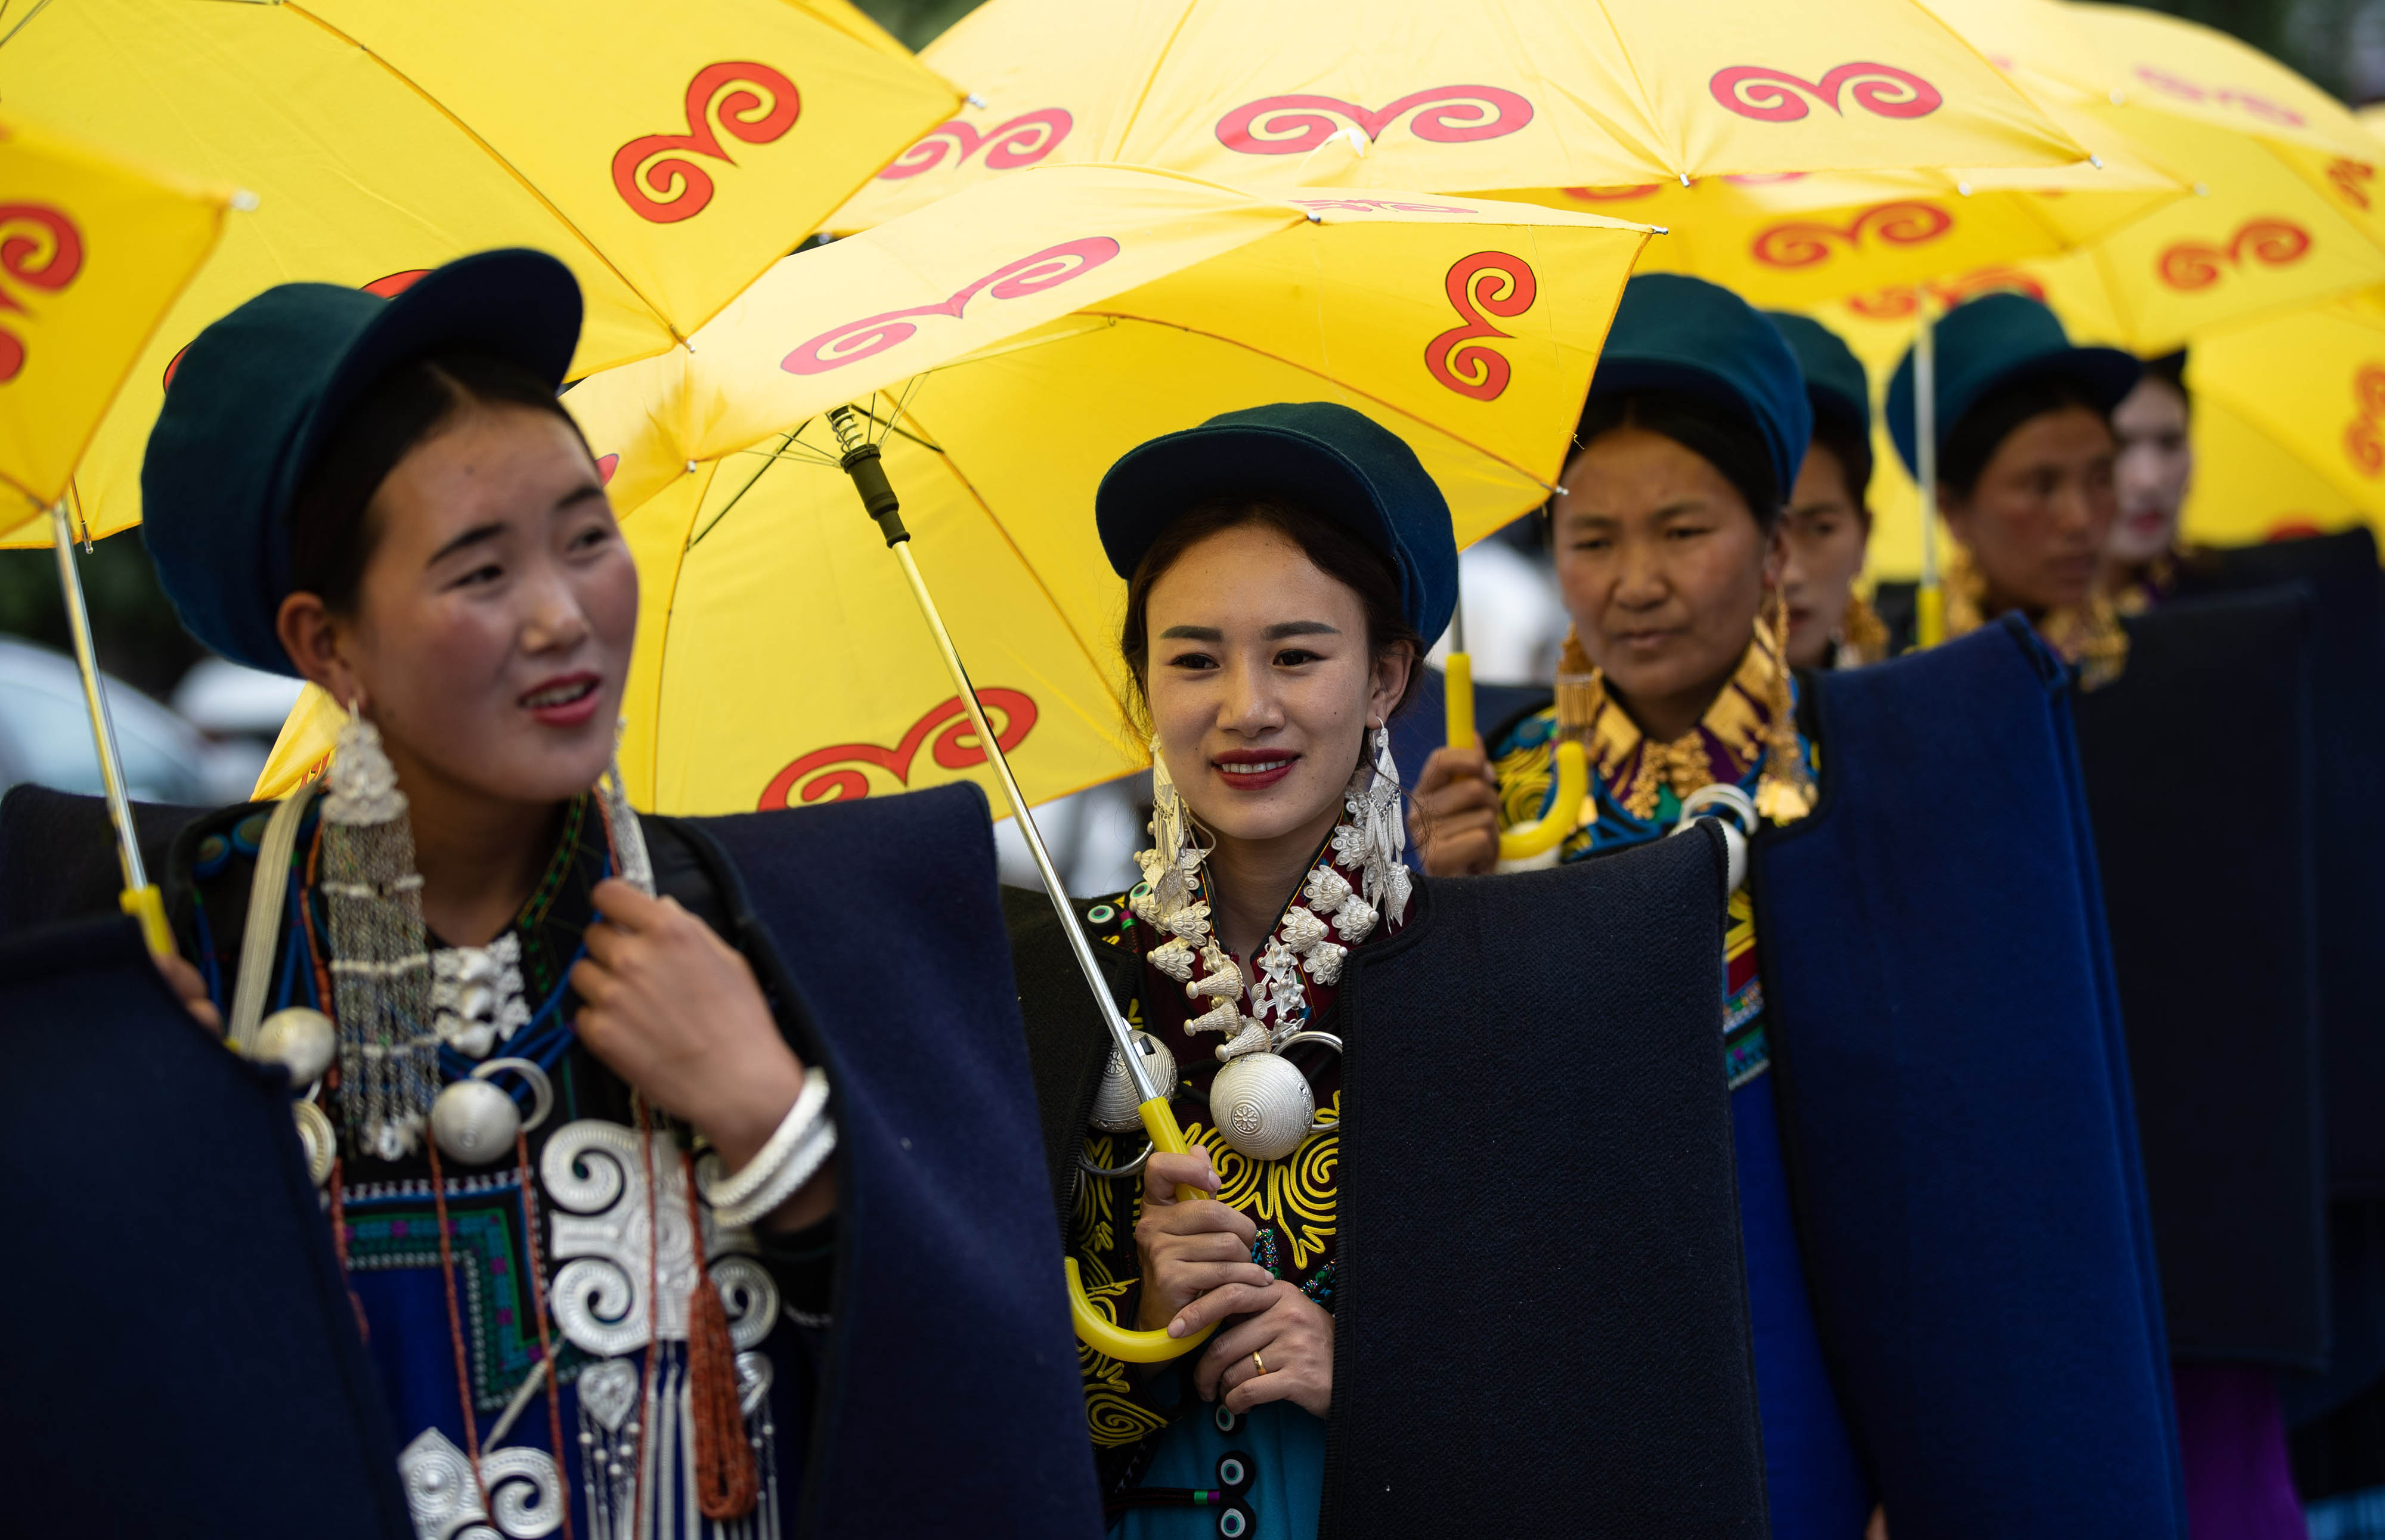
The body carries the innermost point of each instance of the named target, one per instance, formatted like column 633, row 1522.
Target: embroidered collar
column 1726, row 744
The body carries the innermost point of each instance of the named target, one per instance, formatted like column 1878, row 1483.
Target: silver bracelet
column 818, row 1142
column 785, row 1141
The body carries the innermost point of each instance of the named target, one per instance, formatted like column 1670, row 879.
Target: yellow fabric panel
column 97, row 251
column 384, row 140
column 1463, row 94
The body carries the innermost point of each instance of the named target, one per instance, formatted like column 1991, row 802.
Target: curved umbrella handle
column 1544, row 833
column 1095, row 1330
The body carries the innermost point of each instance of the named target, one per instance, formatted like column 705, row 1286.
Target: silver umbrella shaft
column 103, row 726
column 1121, row 1033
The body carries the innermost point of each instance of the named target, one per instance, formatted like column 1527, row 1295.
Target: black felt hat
column 1341, row 463
column 253, row 399
column 1992, row 341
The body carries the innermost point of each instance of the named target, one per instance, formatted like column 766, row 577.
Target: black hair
column 332, row 534
column 1848, row 444
column 2171, row 369
column 1994, row 418
column 1726, row 441
column 1332, row 549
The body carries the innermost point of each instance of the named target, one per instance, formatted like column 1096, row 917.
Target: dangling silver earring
column 1174, row 855
column 622, row 823
column 1375, row 840
column 380, row 968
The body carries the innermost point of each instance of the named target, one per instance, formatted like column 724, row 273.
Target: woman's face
column 1261, row 685
column 2152, row 470
column 1825, row 533
column 2037, row 521
column 491, row 631
column 1663, row 567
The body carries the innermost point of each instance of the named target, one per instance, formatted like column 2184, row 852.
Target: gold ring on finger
column 1260, row 1361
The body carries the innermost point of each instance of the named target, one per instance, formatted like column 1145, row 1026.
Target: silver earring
column 380, row 968
column 1174, row 855
column 1373, row 839
column 622, row 823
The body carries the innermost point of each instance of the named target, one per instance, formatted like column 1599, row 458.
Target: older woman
column 2026, row 458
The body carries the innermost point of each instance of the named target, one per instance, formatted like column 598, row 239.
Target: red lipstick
column 567, row 700
column 1252, row 769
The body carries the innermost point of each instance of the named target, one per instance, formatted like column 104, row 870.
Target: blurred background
column 196, row 729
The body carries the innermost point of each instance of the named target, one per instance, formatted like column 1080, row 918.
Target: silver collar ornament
column 1259, row 1102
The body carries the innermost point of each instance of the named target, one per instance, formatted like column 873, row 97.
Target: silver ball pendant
column 474, row 1122
column 300, row 1040
column 1262, row 1106
column 1115, row 1105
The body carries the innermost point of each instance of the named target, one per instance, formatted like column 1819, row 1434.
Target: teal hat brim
column 253, row 399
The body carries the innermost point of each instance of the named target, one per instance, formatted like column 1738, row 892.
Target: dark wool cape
column 1504, row 1365
column 2198, row 767
column 197, row 1360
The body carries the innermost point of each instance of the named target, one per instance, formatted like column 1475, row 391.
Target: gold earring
column 1784, row 792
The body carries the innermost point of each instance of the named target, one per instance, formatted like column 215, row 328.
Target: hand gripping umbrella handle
column 1572, row 767
column 861, row 461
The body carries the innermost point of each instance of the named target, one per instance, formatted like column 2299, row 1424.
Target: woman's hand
column 1189, row 1249
column 1282, row 1350
column 675, row 1010
column 191, row 990
column 1453, row 814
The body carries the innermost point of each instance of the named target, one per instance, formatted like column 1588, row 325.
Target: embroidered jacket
column 1291, row 1200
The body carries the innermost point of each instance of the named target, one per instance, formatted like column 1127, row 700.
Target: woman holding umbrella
column 1670, row 553
column 505, row 1001
column 1283, row 565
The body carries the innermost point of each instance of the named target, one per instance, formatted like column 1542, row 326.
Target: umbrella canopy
column 2311, row 381
column 1009, row 344
column 1463, row 94
column 383, row 141
column 2291, row 210
column 91, row 254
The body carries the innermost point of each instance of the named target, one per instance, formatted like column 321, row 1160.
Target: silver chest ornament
column 1261, row 1105
column 1116, row 1110
column 475, row 1121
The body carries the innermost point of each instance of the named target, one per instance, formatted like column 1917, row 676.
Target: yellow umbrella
column 91, row 254
column 1003, row 347
column 1009, row 344
column 2313, row 384
column 1463, row 94
column 669, row 154
column 2291, row 210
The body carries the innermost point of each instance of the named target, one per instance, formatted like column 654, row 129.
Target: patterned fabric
column 1631, row 772
column 388, row 1219
column 1291, row 1200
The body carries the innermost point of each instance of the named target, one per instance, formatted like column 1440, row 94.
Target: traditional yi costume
column 2213, row 950
column 1685, row 335
column 1316, row 1074
column 575, row 1321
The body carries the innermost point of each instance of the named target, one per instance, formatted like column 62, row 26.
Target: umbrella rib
column 770, row 457
column 1150, row 78
column 595, row 251
column 39, row 6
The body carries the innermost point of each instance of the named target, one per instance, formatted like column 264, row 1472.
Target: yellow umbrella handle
column 1573, row 772
column 1095, row 1330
